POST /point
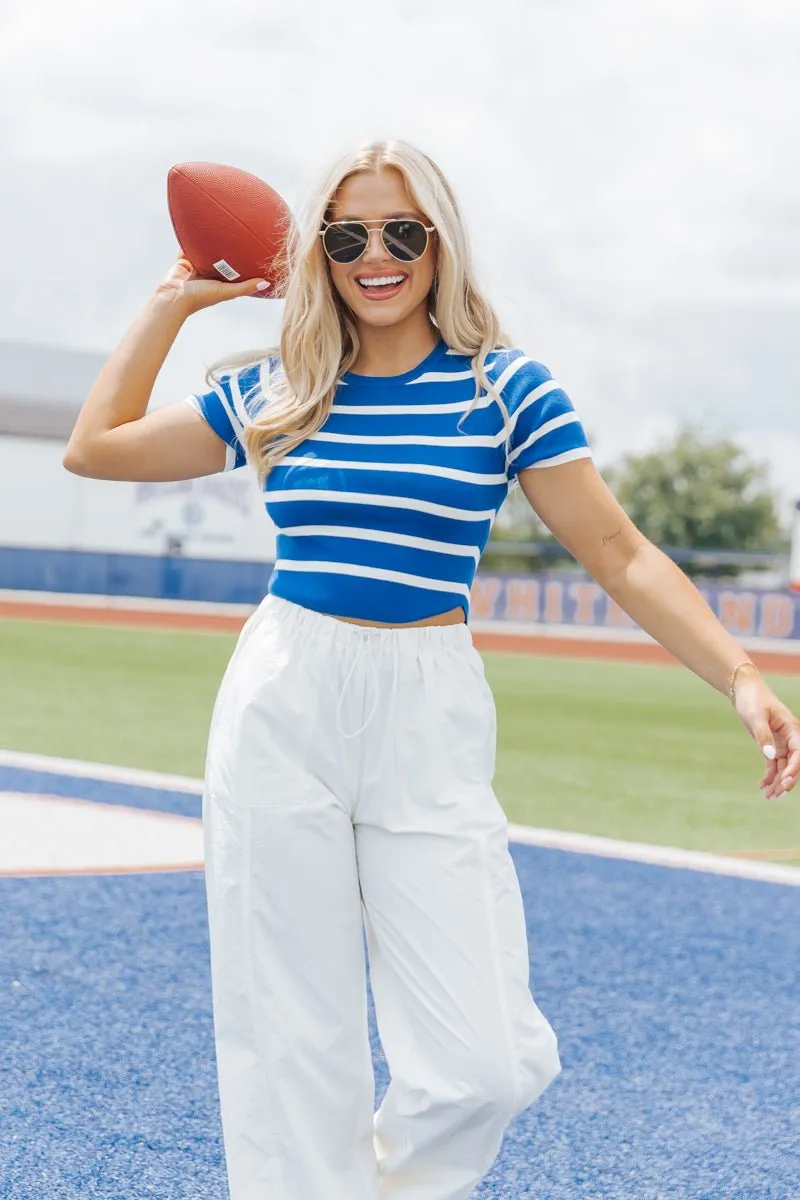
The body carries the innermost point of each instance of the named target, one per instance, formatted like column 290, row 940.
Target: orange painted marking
column 102, row 870
column 137, row 618
column 762, row 854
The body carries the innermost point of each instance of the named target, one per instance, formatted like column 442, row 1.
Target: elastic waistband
column 308, row 622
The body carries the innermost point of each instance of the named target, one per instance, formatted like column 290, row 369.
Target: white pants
column 313, row 824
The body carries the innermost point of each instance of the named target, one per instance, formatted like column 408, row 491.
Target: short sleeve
column 545, row 430
column 230, row 406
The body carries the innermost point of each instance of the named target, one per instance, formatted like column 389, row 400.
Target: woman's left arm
column 576, row 505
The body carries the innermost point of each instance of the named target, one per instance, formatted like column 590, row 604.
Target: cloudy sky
column 630, row 174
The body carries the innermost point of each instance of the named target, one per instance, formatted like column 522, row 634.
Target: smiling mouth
column 381, row 287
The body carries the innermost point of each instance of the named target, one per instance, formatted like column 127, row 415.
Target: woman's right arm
column 115, row 437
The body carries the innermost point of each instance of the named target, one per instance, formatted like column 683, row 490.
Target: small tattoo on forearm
column 609, row 537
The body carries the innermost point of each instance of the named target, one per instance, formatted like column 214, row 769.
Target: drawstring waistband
column 363, row 643
column 356, row 640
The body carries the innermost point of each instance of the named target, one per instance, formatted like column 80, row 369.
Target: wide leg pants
column 348, row 788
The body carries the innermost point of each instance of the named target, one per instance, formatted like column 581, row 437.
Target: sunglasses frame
column 429, row 229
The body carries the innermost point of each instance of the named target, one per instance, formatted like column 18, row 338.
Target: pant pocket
column 462, row 719
column 262, row 725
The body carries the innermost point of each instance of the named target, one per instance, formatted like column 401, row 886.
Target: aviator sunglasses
column 405, row 239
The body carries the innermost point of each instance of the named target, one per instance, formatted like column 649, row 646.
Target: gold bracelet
column 732, row 681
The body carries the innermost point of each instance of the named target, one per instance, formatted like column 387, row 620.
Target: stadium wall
column 91, row 527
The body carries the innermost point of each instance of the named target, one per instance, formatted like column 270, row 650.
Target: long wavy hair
column 319, row 336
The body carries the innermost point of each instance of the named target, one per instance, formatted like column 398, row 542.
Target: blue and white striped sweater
column 384, row 513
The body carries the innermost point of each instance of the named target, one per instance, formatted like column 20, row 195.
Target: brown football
column 229, row 224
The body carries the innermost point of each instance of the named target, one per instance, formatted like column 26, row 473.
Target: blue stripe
column 433, row 564
column 480, row 422
column 480, row 460
column 400, row 520
column 361, row 599
column 217, row 414
column 463, row 496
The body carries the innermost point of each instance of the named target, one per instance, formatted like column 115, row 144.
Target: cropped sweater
column 383, row 514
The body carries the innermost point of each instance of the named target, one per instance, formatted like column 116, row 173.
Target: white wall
column 43, row 505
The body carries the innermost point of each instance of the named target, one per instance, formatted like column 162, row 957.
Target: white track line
column 92, row 770
column 653, row 855
column 69, row 600
column 553, row 839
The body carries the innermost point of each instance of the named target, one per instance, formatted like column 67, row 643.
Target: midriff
column 454, row 617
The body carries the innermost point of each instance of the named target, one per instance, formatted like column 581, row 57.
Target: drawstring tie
column 362, row 643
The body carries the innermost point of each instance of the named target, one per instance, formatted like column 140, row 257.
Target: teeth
column 382, row 281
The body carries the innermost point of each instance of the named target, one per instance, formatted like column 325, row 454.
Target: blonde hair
column 319, row 337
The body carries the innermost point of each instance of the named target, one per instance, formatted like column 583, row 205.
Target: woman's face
column 378, row 197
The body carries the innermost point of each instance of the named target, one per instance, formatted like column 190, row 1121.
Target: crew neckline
column 352, row 377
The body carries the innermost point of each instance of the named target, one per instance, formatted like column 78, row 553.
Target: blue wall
column 548, row 598
column 169, row 577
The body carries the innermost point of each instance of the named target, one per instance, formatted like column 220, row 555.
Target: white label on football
column 226, row 270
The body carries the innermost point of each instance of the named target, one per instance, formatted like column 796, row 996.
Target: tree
column 698, row 492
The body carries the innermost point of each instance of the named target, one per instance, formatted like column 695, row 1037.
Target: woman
column 352, row 744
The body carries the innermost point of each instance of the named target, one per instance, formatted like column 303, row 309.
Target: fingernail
column 262, row 285
column 768, row 752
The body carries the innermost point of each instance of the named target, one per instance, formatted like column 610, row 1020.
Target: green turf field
column 637, row 752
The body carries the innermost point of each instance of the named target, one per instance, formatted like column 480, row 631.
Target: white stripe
column 408, row 410
column 230, row 458
column 402, row 468
column 443, row 377
column 238, row 403
column 509, row 373
column 558, row 459
column 90, row 770
column 657, row 856
column 427, row 506
column 336, row 568
column 265, row 374
column 236, row 425
column 135, row 604
column 408, row 439
column 568, row 418
column 542, row 390
column 381, row 535
column 555, row 839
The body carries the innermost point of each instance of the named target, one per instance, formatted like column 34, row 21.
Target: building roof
column 43, row 387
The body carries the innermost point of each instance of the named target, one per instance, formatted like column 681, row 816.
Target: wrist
column 169, row 301
column 745, row 672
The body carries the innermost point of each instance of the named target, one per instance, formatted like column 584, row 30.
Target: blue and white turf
column 675, row 995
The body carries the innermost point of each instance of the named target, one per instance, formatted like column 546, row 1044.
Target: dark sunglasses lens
column 346, row 243
column 405, row 240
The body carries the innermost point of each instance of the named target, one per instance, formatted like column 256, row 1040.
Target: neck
column 395, row 349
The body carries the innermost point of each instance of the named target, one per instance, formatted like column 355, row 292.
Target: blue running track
column 675, row 996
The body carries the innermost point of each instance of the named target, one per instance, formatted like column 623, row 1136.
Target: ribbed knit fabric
column 384, row 513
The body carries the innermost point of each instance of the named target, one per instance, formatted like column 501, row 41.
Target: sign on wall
column 550, row 599
column 43, row 506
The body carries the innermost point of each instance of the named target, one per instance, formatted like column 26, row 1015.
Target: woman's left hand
column 773, row 726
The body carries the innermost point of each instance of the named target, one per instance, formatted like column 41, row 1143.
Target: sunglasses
column 345, row 241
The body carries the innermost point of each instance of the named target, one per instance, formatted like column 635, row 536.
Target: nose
column 375, row 248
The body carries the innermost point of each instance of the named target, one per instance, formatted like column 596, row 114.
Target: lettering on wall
column 549, row 599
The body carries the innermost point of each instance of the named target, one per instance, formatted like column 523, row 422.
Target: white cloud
column 629, row 173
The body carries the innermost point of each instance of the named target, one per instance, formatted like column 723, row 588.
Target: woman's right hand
column 182, row 283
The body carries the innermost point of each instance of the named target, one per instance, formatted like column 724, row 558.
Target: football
column 230, row 224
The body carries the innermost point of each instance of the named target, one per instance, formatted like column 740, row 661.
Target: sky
column 628, row 171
